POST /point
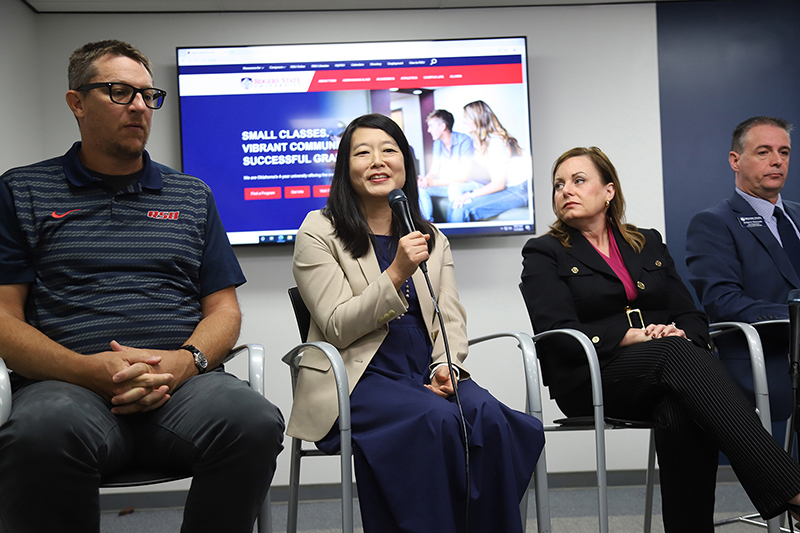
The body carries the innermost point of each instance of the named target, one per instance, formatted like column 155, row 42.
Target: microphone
column 794, row 347
column 399, row 204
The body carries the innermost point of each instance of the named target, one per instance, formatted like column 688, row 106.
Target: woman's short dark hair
column 344, row 205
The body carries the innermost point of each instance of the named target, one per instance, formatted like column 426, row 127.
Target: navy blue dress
column 407, row 445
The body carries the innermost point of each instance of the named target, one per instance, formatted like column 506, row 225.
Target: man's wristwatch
column 200, row 360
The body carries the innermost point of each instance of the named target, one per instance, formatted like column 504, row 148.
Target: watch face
column 200, row 361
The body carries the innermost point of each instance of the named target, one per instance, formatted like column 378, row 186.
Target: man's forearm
column 24, row 348
column 32, row 354
column 216, row 334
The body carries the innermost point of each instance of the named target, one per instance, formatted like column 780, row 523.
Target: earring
column 608, row 203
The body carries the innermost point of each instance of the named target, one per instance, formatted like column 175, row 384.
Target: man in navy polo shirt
column 117, row 306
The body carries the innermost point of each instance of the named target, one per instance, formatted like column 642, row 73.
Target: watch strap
column 200, row 360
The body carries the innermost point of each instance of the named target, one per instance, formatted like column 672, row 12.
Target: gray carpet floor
column 572, row 510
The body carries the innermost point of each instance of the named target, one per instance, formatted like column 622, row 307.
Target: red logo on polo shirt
column 62, row 215
column 164, row 215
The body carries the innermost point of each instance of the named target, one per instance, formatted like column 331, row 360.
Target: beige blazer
column 351, row 303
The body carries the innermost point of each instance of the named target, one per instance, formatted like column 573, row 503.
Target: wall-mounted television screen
column 261, row 126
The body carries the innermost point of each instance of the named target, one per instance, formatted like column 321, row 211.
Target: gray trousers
column 62, row 440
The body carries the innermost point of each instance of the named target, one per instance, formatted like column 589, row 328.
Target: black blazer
column 575, row 288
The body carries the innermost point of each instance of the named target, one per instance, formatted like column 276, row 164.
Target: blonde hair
column 615, row 212
column 486, row 124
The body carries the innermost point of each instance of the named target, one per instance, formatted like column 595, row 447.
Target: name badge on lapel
column 752, row 222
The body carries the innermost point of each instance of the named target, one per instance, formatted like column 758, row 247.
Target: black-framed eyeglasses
column 124, row 94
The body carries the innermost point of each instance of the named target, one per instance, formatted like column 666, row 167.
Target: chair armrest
column 339, row 375
column 591, row 359
column 594, row 377
column 530, row 366
column 256, row 362
column 5, row 393
column 759, row 369
column 771, row 322
column 533, row 405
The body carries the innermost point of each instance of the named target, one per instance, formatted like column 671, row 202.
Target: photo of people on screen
column 474, row 175
column 452, row 161
column 499, row 175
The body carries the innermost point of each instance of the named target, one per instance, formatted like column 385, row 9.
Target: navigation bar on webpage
column 350, row 65
column 410, row 78
column 349, row 80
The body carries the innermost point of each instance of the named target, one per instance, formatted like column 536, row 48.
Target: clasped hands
column 136, row 380
column 441, row 383
column 461, row 200
column 652, row 331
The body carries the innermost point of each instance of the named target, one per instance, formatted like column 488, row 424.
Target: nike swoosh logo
column 62, row 215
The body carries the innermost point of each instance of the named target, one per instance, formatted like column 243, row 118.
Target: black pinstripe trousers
column 697, row 409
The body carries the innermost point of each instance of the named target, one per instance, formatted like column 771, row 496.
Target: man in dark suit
column 743, row 253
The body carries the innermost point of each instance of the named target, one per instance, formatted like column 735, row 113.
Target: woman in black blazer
column 617, row 284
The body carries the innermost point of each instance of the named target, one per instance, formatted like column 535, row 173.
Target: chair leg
column 541, row 495
column 600, row 458
column 650, row 482
column 346, row 463
column 265, row 516
column 294, row 486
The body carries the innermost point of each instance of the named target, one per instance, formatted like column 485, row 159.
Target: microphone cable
column 399, row 204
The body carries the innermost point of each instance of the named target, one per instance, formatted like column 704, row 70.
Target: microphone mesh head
column 396, row 195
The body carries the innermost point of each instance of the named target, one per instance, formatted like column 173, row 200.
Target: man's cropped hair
column 82, row 61
column 443, row 115
column 737, row 144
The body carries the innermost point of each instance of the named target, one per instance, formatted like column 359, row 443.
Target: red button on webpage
column 299, row 191
column 322, row 191
column 262, row 193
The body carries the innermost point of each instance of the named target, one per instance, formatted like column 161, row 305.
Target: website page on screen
column 261, row 126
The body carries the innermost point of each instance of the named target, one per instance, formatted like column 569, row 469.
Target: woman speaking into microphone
column 357, row 271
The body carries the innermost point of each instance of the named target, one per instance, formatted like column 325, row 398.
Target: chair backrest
column 301, row 313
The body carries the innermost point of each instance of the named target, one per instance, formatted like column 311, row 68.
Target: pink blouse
column 614, row 260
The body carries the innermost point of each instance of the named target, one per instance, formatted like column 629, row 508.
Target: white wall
column 20, row 86
column 593, row 81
